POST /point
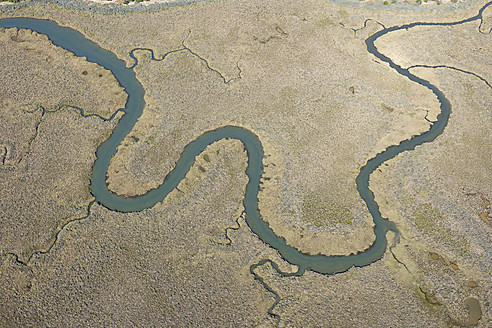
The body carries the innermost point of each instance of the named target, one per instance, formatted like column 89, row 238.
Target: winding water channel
column 75, row 42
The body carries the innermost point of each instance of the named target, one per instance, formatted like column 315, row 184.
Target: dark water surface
column 75, row 42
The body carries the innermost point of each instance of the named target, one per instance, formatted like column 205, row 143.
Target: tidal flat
column 301, row 79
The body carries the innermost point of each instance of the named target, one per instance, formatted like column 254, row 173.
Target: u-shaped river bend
column 75, row 42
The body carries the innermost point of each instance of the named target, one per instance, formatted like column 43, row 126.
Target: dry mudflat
column 300, row 78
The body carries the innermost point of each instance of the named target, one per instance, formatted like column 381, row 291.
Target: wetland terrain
column 240, row 163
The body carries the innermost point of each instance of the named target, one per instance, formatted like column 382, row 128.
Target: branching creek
column 75, row 42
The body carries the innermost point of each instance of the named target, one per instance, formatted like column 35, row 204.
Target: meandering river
column 75, row 42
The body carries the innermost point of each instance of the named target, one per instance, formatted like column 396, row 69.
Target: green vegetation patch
column 431, row 222
column 319, row 210
column 137, row 1
column 325, row 22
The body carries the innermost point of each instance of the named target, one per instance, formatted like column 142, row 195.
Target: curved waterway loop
column 75, row 42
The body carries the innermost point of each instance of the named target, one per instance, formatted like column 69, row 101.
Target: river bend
column 75, row 42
